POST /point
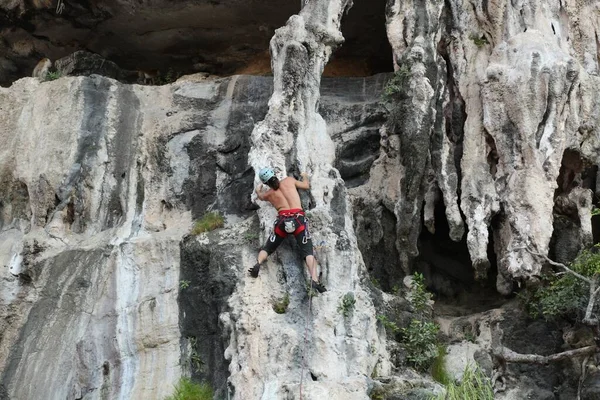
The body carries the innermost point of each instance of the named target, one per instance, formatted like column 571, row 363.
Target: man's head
column 267, row 176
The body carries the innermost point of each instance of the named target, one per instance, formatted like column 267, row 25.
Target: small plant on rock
column 209, row 222
column 396, row 84
column 171, row 76
column 438, row 371
column 347, row 304
column 419, row 339
column 250, row 236
column 573, row 292
column 184, row 284
column 375, row 282
column 473, row 386
column 197, row 362
column 188, row 390
column 419, row 297
column 53, row 75
column 479, row 41
column 470, row 337
column 195, row 359
column 389, row 325
column 280, row 306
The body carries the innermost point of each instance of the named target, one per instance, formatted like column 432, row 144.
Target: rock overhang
column 220, row 37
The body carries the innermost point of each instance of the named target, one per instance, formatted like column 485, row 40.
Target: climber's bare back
column 286, row 197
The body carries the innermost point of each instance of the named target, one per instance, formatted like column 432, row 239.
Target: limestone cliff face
column 496, row 93
column 105, row 295
column 101, row 183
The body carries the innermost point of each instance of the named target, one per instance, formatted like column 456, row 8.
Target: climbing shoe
column 318, row 286
column 254, row 270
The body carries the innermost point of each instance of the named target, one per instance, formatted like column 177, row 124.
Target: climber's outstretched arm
column 304, row 183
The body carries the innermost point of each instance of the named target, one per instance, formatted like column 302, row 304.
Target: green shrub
column 377, row 394
column 564, row 294
column 389, row 325
column 280, row 306
column 188, row 390
column 419, row 297
column 419, row 340
column 474, row 386
column 347, row 304
column 210, row 221
column 195, row 360
column 396, row 84
column 250, row 236
column 53, row 75
column 438, row 371
column 479, row 41
column 375, row 282
column 184, row 284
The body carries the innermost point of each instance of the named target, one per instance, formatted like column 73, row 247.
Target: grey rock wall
column 101, row 183
column 495, row 93
column 104, row 295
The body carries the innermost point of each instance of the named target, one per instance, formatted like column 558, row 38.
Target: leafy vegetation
column 565, row 293
column 470, row 336
column 396, row 84
column 389, row 325
column 195, row 359
column 479, row 41
column 474, row 386
column 377, row 394
column 375, row 282
column 419, row 339
column 250, row 236
column 419, row 297
column 438, row 371
column 210, row 221
column 188, row 390
column 280, row 306
column 53, row 75
column 347, row 304
column 184, row 284
column 310, row 292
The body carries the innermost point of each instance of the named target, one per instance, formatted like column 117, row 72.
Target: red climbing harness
column 288, row 222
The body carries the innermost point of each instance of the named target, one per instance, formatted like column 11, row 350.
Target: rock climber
column 291, row 220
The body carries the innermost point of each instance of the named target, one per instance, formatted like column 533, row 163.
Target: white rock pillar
column 340, row 353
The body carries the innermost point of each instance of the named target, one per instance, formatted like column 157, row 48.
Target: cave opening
column 448, row 271
column 366, row 50
column 568, row 239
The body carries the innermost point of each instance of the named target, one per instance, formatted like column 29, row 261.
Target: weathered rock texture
column 493, row 128
column 494, row 96
column 338, row 356
column 100, row 184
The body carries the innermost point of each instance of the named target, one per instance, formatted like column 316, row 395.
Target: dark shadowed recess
column 248, row 106
column 365, row 37
column 537, row 336
column 221, row 37
column 566, row 240
column 354, row 115
column 206, row 286
column 376, row 238
column 447, row 266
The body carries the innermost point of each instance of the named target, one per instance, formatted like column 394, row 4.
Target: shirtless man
column 283, row 195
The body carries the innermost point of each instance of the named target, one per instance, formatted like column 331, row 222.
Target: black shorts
column 297, row 225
